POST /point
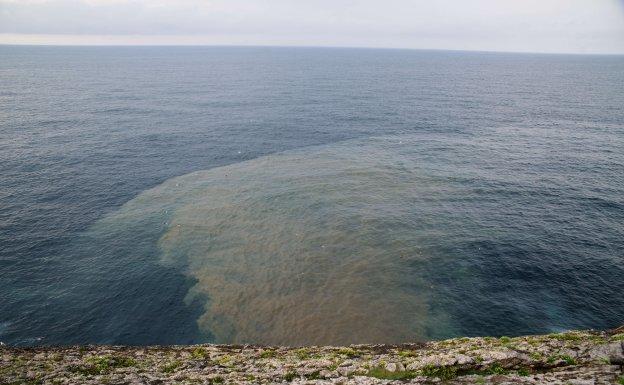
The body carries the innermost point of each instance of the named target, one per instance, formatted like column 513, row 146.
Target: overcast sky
column 579, row 26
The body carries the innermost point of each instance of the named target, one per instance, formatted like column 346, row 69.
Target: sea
column 307, row 196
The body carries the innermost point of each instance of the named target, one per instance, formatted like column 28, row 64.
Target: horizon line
column 216, row 45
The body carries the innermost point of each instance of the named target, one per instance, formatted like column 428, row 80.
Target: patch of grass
column 199, row 354
column 383, row 374
column 224, row 360
column 536, row 355
column 269, row 353
column 349, row 352
column 567, row 359
column 565, row 336
column 599, row 339
column 617, row 337
column 316, row 375
column 495, row 369
column 505, row 339
column 35, row 381
column 621, row 380
column 290, row 376
column 441, row 372
column 302, row 354
column 103, row 365
column 171, row 367
column 217, row 380
column 523, row 372
column 604, row 361
column 407, row 353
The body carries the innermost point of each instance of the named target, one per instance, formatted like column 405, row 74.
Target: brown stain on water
column 292, row 254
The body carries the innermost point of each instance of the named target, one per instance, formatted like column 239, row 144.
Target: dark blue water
column 453, row 193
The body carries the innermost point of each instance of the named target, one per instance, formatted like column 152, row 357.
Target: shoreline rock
column 575, row 357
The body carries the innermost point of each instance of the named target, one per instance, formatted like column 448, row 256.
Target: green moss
column 621, row 380
column 217, row 380
column 171, row 367
column 536, row 355
column 505, row 340
column 383, row 374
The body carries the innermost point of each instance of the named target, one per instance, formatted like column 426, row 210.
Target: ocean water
column 156, row 195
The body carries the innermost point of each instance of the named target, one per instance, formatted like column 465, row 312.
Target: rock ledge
column 575, row 358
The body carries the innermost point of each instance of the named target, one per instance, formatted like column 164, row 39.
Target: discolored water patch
column 316, row 246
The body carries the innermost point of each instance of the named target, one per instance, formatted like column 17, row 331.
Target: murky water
column 307, row 196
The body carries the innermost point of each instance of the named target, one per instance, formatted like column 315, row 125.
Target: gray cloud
column 508, row 25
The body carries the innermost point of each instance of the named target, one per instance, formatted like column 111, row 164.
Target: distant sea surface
column 161, row 195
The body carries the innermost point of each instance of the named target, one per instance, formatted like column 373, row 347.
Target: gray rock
column 346, row 370
column 614, row 352
column 395, row 367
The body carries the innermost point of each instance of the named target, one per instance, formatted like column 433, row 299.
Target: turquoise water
column 307, row 196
